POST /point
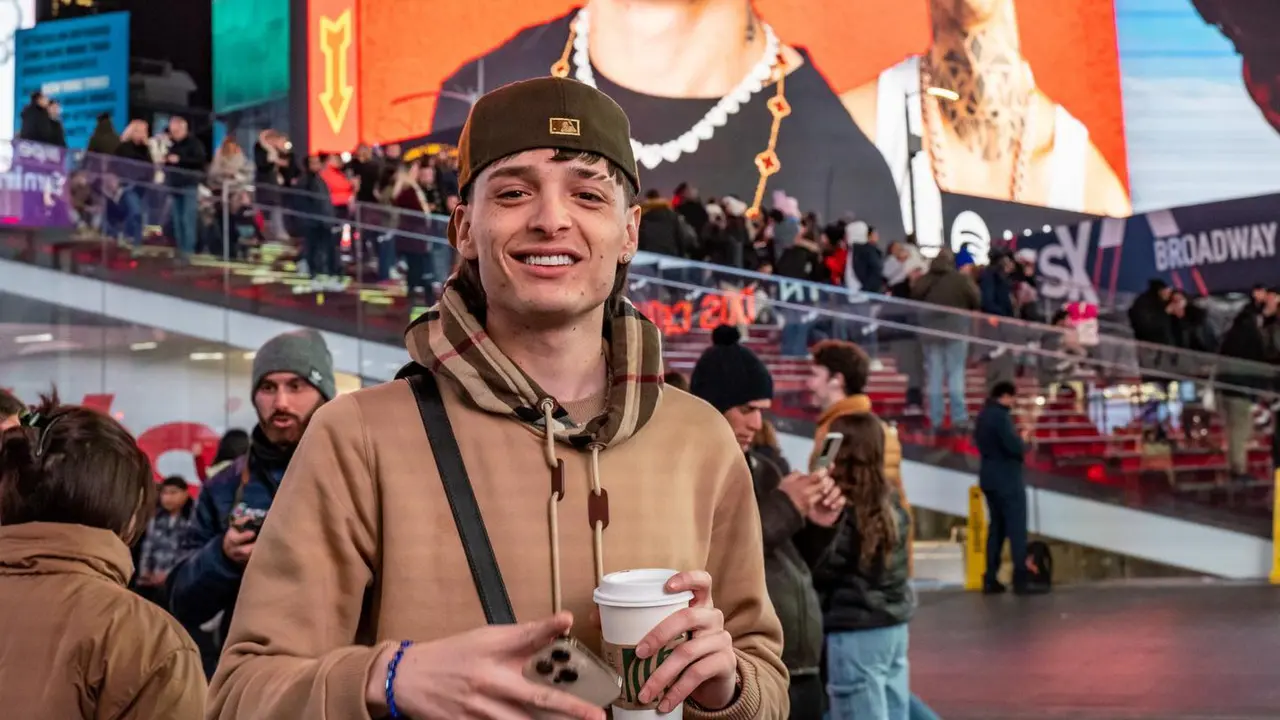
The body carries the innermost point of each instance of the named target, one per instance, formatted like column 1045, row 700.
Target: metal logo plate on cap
column 565, row 126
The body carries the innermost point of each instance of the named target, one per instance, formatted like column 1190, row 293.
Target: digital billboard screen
column 1202, row 99
column 83, row 63
column 250, row 53
column 14, row 16
column 1025, row 103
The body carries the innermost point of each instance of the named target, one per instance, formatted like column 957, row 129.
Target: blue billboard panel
column 1201, row 99
column 83, row 63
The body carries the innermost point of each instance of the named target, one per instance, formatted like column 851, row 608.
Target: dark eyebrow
column 587, row 173
column 519, row 172
column 530, row 175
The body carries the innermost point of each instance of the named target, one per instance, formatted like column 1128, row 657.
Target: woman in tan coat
column 75, row 491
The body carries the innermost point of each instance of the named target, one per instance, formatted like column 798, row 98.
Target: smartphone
column 567, row 665
column 830, row 446
column 254, row 524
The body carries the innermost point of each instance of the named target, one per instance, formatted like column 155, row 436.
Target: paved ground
column 1158, row 651
column 939, row 564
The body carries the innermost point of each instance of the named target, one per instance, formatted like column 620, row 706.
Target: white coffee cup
column 632, row 603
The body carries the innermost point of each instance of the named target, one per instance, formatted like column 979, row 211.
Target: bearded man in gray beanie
column 292, row 378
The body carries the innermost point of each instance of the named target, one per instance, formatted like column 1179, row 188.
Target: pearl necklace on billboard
column 770, row 68
column 651, row 155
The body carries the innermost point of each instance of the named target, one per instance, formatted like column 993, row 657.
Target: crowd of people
column 134, row 183
column 169, row 182
column 1164, row 317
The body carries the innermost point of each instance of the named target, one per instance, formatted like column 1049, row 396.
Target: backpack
column 1039, row 556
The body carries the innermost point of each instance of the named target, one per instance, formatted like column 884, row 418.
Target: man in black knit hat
column 794, row 508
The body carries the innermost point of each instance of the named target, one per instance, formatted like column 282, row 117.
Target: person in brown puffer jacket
column 946, row 286
column 75, row 490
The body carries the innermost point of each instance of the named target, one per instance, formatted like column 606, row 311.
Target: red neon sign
column 708, row 313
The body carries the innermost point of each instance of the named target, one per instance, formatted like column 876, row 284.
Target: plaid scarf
column 449, row 341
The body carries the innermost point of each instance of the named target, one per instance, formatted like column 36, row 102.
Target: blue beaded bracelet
column 391, row 677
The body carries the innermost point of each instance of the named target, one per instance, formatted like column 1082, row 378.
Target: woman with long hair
column 75, row 492
column 230, row 165
column 414, row 192
column 863, row 580
column 130, row 164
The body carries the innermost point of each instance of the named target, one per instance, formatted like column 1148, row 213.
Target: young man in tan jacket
column 838, row 373
column 581, row 463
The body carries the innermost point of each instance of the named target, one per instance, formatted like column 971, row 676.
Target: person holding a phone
column 864, row 579
column 795, row 507
column 838, row 373
column 534, row 407
column 1002, row 449
column 292, row 378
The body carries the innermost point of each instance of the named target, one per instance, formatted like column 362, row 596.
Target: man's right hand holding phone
column 237, row 544
column 831, row 501
column 803, row 490
column 815, row 496
column 478, row 675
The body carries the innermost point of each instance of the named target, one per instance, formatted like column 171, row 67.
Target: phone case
column 830, row 448
column 569, row 666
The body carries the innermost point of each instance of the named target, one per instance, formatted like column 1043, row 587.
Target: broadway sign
column 1209, row 249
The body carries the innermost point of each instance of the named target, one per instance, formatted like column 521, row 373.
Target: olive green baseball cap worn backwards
column 548, row 112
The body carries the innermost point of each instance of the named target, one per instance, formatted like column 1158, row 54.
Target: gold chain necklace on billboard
column 933, row 126
column 770, row 68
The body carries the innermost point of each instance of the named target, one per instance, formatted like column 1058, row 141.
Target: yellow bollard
column 975, row 547
column 1275, row 529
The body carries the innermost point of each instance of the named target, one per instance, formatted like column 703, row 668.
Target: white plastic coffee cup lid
column 639, row 588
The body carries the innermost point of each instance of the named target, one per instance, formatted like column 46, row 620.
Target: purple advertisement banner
column 1211, row 249
column 33, row 185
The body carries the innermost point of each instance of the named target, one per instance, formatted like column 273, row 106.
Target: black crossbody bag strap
column 462, row 500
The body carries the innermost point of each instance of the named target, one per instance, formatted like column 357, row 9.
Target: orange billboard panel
column 782, row 101
column 1070, row 46
column 333, row 88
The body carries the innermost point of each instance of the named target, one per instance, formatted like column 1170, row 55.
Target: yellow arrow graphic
column 335, row 41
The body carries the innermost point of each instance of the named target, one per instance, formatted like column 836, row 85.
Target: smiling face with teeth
column 547, row 231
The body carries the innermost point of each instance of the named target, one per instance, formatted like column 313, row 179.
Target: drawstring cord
column 597, row 523
column 598, row 502
column 553, row 502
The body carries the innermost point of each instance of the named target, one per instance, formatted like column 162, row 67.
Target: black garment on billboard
column 828, row 163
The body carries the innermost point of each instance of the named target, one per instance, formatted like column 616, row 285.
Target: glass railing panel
column 1118, row 349
column 1118, row 412
column 1152, row 438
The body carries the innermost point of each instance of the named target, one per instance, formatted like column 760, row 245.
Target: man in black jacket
column 183, row 165
column 1254, row 337
column 38, row 124
column 1149, row 316
column 792, row 505
column 662, row 229
column 866, row 262
column 1000, row 477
